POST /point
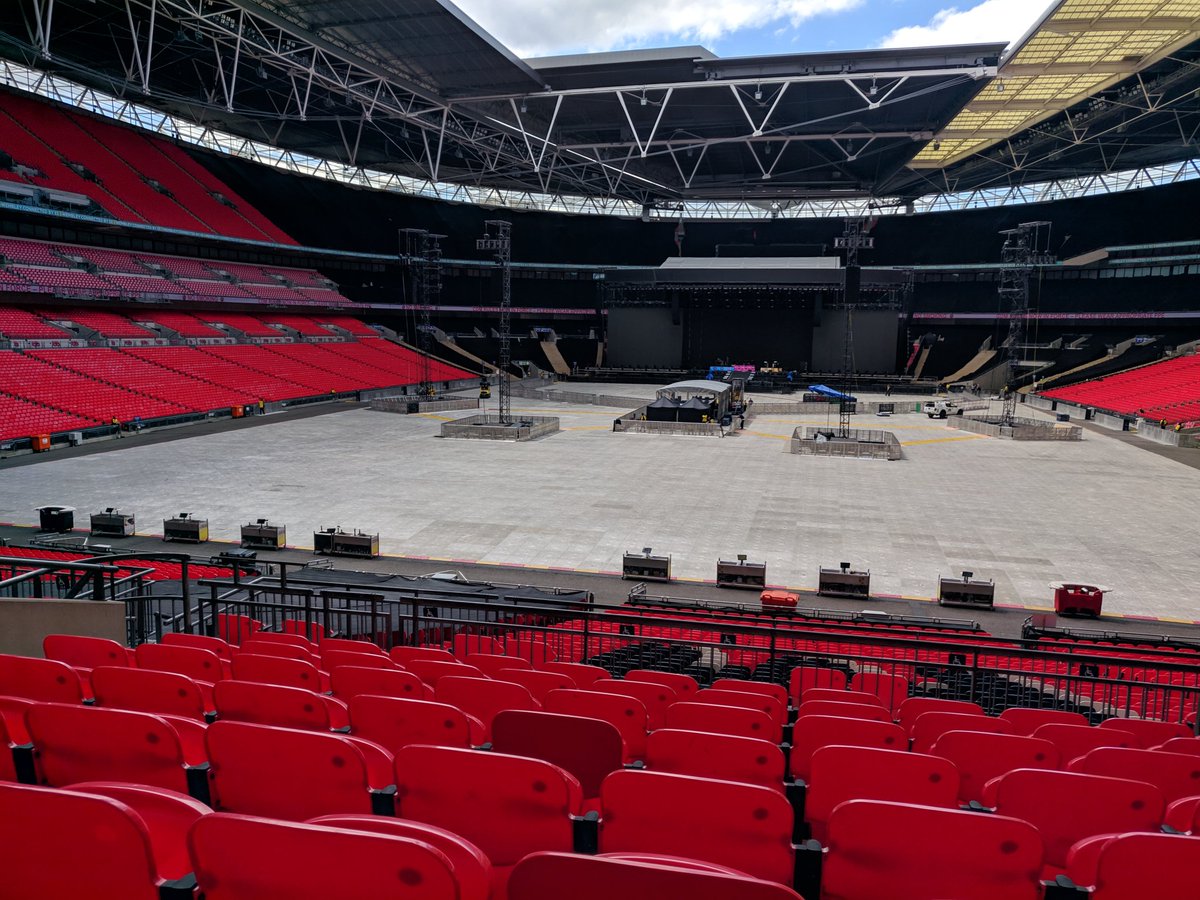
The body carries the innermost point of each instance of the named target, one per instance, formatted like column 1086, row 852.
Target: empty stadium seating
column 1163, row 391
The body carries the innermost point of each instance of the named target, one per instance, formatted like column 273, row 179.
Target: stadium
column 434, row 470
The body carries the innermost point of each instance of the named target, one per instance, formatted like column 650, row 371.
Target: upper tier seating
column 107, row 324
column 185, row 324
column 22, row 323
column 1167, row 390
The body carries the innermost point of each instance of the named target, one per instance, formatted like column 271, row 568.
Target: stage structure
column 1025, row 247
column 854, row 238
column 498, row 239
column 424, row 252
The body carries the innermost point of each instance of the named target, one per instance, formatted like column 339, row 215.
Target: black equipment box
column 60, row 519
column 186, row 529
column 262, row 535
column 645, row 566
column 335, row 542
column 741, row 573
column 113, row 523
column 966, row 591
column 844, row 582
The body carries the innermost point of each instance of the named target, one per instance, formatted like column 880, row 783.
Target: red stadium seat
column 805, row 677
column 350, row 681
column 1183, row 815
column 286, row 638
column 465, row 644
column 238, row 857
column 1177, row 775
column 332, row 658
column 845, row 710
column 394, row 723
column 273, row 704
column 752, row 687
column 1027, row 721
column 12, row 713
column 219, row 646
column 626, row 714
column 431, row 671
column 40, row 679
column 542, row 876
column 539, row 684
column 291, row 774
column 1136, row 866
column 472, row 869
column 1149, row 733
column 655, row 697
column 590, row 749
column 891, row 689
column 981, row 756
column 813, row 732
column 1066, row 807
column 899, row 850
column 684, row 686
column 906, row 716
column 839, row 774
column 738, row 825
column 583, row 676
column 194, row 662
column 311, row 631
column 839, row 696
column 736, row 721
column 8, row 765
column 930, row 726
column 483, row 698
column 491, row 663
column 1180, row 745
column 350, row 646
column 1075, row 740
column 278, row 670
column 85, row 652
column 147, row 690
column 405, row 655
column 236, row 629
column 775, row 710
column 719, row 756
column 271, row 648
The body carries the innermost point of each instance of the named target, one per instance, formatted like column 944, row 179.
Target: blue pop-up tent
column 826, row 391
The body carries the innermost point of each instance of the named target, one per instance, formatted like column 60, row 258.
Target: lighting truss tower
column 424, row 252
column 497, row 237
column 1025, row 248
column 854, row 237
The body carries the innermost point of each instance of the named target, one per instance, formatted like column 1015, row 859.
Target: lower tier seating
column 1167, row 391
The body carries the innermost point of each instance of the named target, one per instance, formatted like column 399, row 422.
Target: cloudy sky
column 747, row 27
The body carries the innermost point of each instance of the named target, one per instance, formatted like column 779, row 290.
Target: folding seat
column 813, row 732
column 278, row 670
column 877, row 849
column 776, row 711
column 531, row 647
column 723, row 757
column 507, row 806
column 312, row 631
column 472, row 869
column 8, row 764
column 1183, row 815
column 12, row 714
column 464, row 644
column 805, row 677
column 147, row 690
column 236, row 629
column 1066, row 807
column 733, row 721
column 723, row 822
column 891, row 689
column 537, row 683
column 274, row 704
column 839, row 774
column 395, row 722
column 590, row 749
column 1135, row 866
column 85, row 652
column 80, row 743
column 981, row 756
column 1148, row 733
column 583, row 675
column 405, row 655
column 929, row 726
column 1177, row 775
column 1180, row 745
column 1075, row 740
column 291, row 774
column 239, row 856
column 194, row 662
column 752, row 687
column 543, row 876
column 914, row 706
column 483, row 698
column 655, row 697
column 627, row 714
column 839, row 696
column 684, row 686
column 332, row 659
column 219, row 646
column 350, row 681
column 47, row 680
column 431, row 671
column 1027, row 721
column 351, row 646
column 64, row 844
column 285, row 638
column 845, row 710
column 491, row 663
column 270, row 648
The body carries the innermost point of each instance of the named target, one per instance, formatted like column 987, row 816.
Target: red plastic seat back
column 1066, row 806
column 332, row 658
column 813, row 732
column 626, row 714
column 906, row 716
column 982, row 756
column 1184, row 815
column 805, row 677
column 465, row 644
column 194, row 662
column 864, row 773
column 507, row 806
column 276, row 670
column 1141, row 866
column 735, row 721
column 236, row 629
column 1177, row 775
column 845, row 710
column 684, row 686
column 539, row 684
column 270, row 648
column 929, row 726
column 55, row 840
column 492, row 663
column 351, row 646
column 723, row 757
column 484, row 698
column 287, row 639
column 394, row 723
column 8, row 768
column 752, row 687
column 1074, row 741
column 962, row 854
column 78, row 743
column 655, row 697
column 219, row 646
column 776, row 711
column 542, row 876
column 350, row 681
column 1181, row 745
column 1027, row 721
column 584, row 676
column 811, row 695
column 311, row 631
column 891, row 689
column 285, row 773
column 590, row 749
column 1148, row 732
column 405, row 655
column 271, row 704
column 147, row 690
column 241, row 856
column 85, row 652
column 47, row 680
column 432, row 671
column 739, row 825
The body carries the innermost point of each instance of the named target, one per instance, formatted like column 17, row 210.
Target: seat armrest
column 586, row 833
column 383, row 801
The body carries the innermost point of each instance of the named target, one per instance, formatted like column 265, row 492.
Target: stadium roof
column 415, row 89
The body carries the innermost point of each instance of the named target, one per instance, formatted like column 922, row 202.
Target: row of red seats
column 1168, row 389
column 162, row 570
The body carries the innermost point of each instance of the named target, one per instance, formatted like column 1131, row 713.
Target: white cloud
column 991, row 20
column 547, row 27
